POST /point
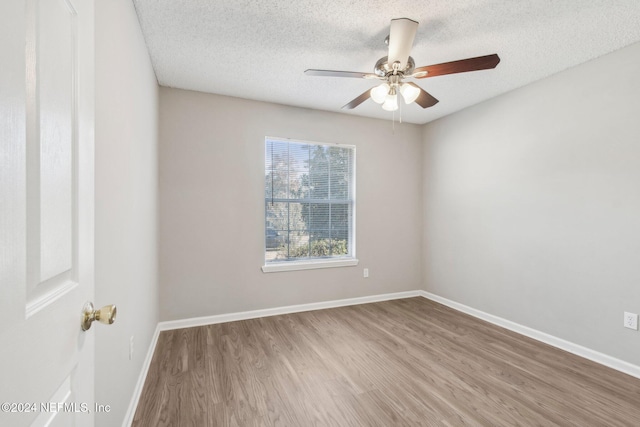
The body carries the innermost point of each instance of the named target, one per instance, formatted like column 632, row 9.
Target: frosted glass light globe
column 409, row 93
column 390, row 103
column 379, row 93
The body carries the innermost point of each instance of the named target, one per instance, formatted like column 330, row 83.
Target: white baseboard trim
column 137, row 391
column 587, row 353
column 245, row 315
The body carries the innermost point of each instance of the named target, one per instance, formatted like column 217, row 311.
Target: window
column 309, row 205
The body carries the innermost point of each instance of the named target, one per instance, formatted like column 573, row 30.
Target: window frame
column 313, row 263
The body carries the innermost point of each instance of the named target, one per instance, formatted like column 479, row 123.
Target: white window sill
column 308, row 265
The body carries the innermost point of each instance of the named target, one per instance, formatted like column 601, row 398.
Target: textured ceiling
column 259, row 49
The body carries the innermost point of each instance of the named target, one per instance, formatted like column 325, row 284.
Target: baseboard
column 244, row 315
column 137, row 391
column 587, row 353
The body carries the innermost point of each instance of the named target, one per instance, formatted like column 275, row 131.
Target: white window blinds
column 309, row 201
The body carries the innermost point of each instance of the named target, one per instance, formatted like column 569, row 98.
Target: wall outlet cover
column 631, row 321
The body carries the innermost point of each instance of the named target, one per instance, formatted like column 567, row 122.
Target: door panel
column 54, row 65
column 51, row 149
column 46, row 208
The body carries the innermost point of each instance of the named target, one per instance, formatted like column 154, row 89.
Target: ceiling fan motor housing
column 383, row 68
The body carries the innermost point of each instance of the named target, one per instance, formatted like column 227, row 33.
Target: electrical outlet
column 631, row 321
column 131, row 348
column 365, row 273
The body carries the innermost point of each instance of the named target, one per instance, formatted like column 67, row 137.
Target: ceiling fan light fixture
column 390, row 103
column 398, row 65
column 409, row 93
column 379, row 93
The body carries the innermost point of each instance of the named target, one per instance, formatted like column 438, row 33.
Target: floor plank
column 402, row 362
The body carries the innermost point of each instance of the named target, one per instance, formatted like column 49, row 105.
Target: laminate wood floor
column 403, row 362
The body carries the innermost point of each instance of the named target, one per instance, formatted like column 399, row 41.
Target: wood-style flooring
column 410, row 362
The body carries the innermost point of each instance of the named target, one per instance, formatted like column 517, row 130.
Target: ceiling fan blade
column 425, row 100
column 357, row 101
column 462, row 66
column 401, row 35
column 331, row 73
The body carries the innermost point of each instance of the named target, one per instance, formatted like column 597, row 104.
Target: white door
column 46, row 211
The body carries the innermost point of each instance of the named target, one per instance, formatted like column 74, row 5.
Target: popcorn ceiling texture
column 260, row 49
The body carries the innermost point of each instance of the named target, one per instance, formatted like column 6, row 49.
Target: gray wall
column 126, row 203
column 212, row 205
column 532, row 205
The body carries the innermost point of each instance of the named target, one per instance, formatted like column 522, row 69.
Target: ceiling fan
column 398, row 65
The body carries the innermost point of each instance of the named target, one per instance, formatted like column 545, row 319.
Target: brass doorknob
column 106, row 315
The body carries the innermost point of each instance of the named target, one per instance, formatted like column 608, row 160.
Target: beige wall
column 532, row 205
column 126, row 203
column 212, row 205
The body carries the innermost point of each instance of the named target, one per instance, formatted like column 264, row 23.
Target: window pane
column 320, row 247
column 276, row 170
column 298, row 244
column 339, row 173
column 277, row 215
column 298, row 170
column 339, row 242
column 275, row 243
column 340, row 216
column 319, row 217
column 296, row 218
column 281, row 254
column 319, row 173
